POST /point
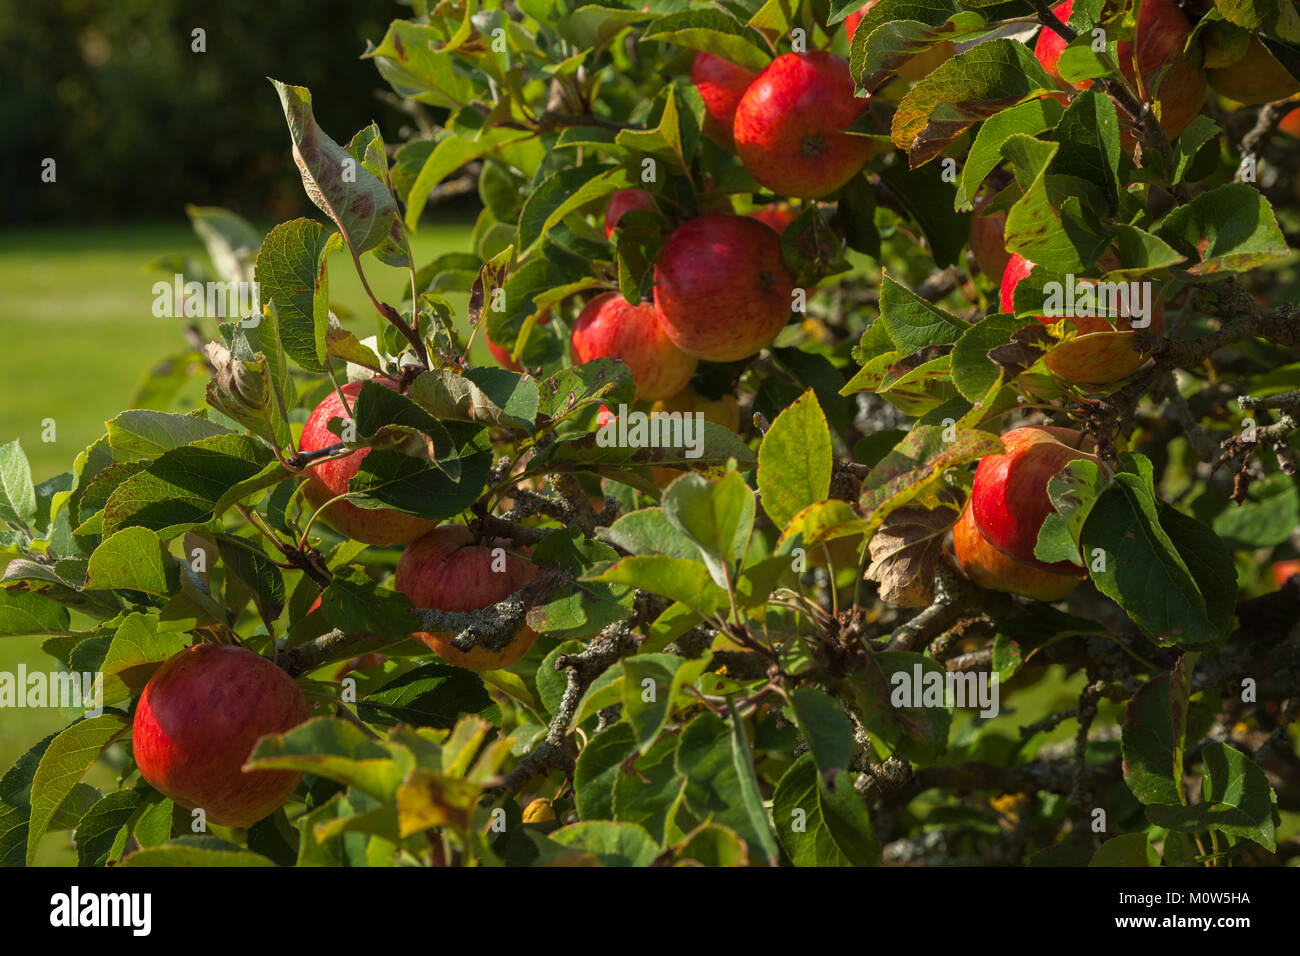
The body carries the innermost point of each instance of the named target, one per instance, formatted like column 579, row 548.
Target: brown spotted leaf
column 905, row 552
column 970, row 87
column 343, row 188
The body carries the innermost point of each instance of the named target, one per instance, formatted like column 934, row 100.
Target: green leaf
column 139, row 433
column 648, row 531
column 433, row 695
column 196, row 851
column 17, row 494
column 1229, row 229
column 22, row 612
column 360, row 204
column 672, row 140
column 647, row 789
column 717, row 516
column 914, row 323
column 973, row 372
column 563, row 192
column 828, row 732
column 62, row 766
column 103, row 829
column 133, row 558
column 917, row 733
column 676, row 578
column 1073, row 491
column 355, row 603
column 819, row 825
column 291, row 273
column 1127, row 849
column 1235, row 799
column 246, row 563
column 714, row 758
column 794, row 460
column 1148, row 744
column 451, row 153
column 713, row 31
column 230, row 239
column 597, row 769
column 1089, row 136
column 137, row 650
column 334, row 748
column 1028, row 119
column 973, row 85
column 651, row 685
column 181, row 487
column 601, row 382
column 1144, row 571
column 609, row 843
column 484, row 396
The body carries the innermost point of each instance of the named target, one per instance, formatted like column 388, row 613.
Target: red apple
column 1160, row 36
column 1009, row 497
column 611, row 327
column 987, row 239
column 1282, row 570
column 1100, row 353
column 328, row 479
column 722, row 288
column 1290, row 123
column 1257, row 77
column 197, row 722
column 623, row 201
column 920, row 65
column 446, row 571
column 990, row 568
column 1050, row 45
column 789, row 126
column 778, row 215
column 721, row 85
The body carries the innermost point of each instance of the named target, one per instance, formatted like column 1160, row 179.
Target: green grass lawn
column 78, row 330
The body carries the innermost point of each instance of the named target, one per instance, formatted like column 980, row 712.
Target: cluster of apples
column 203, row 711
column 1176, row 77
column 722, row 291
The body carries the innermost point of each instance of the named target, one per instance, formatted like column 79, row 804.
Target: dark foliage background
column 139, row 125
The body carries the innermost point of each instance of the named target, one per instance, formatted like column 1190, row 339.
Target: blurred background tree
column 140, row 125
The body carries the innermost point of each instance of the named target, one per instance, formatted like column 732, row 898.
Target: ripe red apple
column 987, row 239
column 328, row 479
column 502, row 354
column 778, row 215
column 990, row 568
column 1290, row 123
column 1050, row 45
column 1009, row 497
column 1100, row 353
column 789, row 126
column 446, row 571
column 722, row 288
column 920, row 65
column 198, row 720
column 1255, row 78
column 1282, row 570
column 623, row 201
column 721, row 85
column 1160, row 36
column 611, row 327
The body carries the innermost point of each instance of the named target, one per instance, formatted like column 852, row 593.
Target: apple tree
column 885, row 458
